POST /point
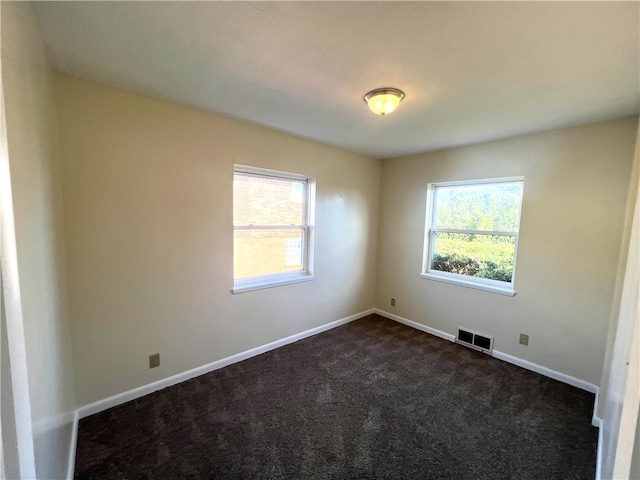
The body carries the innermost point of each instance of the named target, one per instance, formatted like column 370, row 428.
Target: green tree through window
column 473, row 231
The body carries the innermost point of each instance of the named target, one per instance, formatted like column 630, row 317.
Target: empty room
column 320, row 240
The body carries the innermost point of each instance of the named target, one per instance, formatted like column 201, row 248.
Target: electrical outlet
column 524, row 339
column 154, row 360
column 393, row 302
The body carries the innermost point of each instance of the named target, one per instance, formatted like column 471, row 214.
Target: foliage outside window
column 272, row 214
column 472, row 233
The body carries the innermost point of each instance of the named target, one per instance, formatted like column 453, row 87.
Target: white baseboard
column 61, row 428
column 547, row 372
column 138, row 392
column 416, row 325
column 597, row 422
column 71, row 462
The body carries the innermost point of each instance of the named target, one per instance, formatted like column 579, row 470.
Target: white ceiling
column 471, row 71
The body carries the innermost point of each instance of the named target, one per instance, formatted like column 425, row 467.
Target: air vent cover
column 475, row 340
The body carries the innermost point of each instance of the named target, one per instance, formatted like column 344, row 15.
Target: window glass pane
column 483, row 256
column 263, row 252
column 267, row 201
column 492, row 207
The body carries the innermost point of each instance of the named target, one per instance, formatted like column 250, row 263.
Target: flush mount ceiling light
column 383, row 100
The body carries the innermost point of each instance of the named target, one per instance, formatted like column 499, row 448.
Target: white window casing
column 304, row 245
column 432, row 230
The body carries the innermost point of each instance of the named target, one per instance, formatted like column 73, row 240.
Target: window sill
column 470, row 283
column 269, row 281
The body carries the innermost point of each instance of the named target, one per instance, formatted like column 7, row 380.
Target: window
column 272, row 228
column 293, row 252
column 471, row 236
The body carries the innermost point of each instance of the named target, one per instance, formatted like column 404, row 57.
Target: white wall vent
column 475, row 340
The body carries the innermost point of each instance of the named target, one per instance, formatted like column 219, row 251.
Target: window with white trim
column 471, row 236
column 272, row 228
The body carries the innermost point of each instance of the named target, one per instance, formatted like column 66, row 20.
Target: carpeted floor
column 372, row 399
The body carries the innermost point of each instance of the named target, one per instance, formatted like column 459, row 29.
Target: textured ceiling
column 471, row 71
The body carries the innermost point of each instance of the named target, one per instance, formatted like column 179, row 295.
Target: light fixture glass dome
column 384, row 100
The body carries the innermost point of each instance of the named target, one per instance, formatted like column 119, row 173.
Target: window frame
column 486, row 284
column 305, row 274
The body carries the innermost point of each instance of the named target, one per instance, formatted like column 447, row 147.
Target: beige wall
column 576, row 186
column 37, row 211
column 148, row 212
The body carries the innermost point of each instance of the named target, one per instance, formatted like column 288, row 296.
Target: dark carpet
column 372, row 399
